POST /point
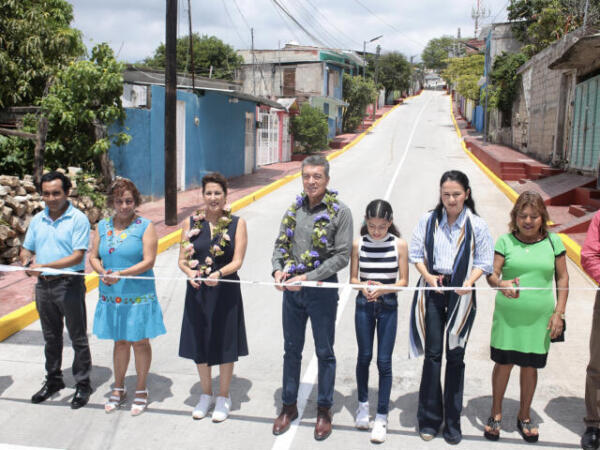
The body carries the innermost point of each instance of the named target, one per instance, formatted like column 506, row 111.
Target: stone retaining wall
column 20, row 201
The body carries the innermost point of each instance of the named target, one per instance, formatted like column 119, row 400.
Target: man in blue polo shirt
column 57, row 238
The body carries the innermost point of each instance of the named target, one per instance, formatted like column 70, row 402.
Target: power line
column 242, row 14
column 313, row 20
column 244, row 42
column 329, row 22
column 285, row 22
column 420, row 44
column 308, row 33
column 499, row 11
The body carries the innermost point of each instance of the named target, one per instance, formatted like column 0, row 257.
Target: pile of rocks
column 20, row 201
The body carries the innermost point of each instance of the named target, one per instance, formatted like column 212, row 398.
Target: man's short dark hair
column 316, row 160
column 51, row 176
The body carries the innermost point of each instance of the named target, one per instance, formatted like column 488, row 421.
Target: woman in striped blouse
column 379, row 257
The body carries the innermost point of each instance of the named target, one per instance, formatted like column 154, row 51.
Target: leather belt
column 48, row 278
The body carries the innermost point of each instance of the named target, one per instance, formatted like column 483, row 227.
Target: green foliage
column 437, row 51
column 464, row 73
column 309, row 128
column 35, row 41
column 16, row 155
column 504, row 80
column 358, row 93
column 208, row 51
column 84, row 98
column 538, row 23
column 394, row 72
column 86, row 189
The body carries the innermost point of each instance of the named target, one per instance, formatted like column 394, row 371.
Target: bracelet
column 220, row 273
column 562, row 315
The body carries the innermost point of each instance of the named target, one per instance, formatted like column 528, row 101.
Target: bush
column 358, row 93
column 310, row 129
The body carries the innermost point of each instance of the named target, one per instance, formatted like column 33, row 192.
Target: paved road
column 402, row 159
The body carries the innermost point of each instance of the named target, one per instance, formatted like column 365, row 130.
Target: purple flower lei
column 309, row 260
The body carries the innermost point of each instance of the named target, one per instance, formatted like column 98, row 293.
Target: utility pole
column 191, row 42
column 585, row 13
column 376, row 71
column 253, row 63
column 171, row 114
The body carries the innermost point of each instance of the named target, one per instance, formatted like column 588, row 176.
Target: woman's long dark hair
column 379, row 209
column 460, row 178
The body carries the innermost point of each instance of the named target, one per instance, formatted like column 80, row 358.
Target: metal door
column 585, row 137
column 267, row 137
column 249, row 144
column 286, row 142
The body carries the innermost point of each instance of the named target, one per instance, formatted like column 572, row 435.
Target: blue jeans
column 382, row 315
column 433, row 409
column 320, row 306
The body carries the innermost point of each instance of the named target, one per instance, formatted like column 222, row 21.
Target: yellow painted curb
column 573, row 248
column 26, row 315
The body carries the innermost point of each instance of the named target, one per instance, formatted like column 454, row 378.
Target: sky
column 135, row 28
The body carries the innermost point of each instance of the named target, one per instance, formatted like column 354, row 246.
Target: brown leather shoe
column 323, row 426
column 288, row 414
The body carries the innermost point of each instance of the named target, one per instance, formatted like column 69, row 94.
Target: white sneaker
column 379, row 429
column 202, row 407
column 362, row 416
column 222, row 407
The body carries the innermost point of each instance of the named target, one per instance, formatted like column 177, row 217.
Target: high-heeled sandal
column 493, row 434
column 139, row 403
column 525, row 424
column 115, row 401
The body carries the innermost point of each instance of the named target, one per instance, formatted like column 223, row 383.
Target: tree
column 538, row 23
column 464, row 73
column 82, row 103
column 504, row 82
column 35, row 41
column 310, row 128
column 358, row 92
column 207, row 50
column 437, row 51
column 394, row 72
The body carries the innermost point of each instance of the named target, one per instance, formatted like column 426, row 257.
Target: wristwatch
column 562, row 315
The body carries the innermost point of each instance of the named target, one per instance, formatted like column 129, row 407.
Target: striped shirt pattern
column 447, row 242
column 378, row 259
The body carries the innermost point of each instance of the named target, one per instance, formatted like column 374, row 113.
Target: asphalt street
column 402, row 159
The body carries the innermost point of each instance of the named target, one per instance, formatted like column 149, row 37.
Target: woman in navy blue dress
column 213, row 331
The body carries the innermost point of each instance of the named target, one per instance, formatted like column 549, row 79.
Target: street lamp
column 365, row 51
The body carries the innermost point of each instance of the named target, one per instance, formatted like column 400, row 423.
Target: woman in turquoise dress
column 128, row 311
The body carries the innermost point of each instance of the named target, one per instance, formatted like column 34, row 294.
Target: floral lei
column 216, row 250
column 309, row 259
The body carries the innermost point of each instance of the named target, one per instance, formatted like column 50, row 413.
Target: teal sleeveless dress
column 129, row 309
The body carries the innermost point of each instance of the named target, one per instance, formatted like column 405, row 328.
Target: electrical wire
column 313, row 21
column 330, row 22
column 242, row 40
column 298, row 24
column 420, row 44
column 285, row 22
column 242, row 14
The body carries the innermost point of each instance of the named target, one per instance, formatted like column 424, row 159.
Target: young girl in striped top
column 379, row 257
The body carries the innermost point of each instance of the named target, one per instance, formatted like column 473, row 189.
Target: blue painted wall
column 216, row 143
column 478, row 118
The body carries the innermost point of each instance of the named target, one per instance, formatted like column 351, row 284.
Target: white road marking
column 22, row 447
column 388, row 192
column 284, row 441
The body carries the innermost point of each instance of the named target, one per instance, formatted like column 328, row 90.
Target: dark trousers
column 320, row 306
column 592, row 379
column 368, row 316
column 433, row 408
column 57, row 299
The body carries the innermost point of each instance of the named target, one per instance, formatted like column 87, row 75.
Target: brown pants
column 592, row 379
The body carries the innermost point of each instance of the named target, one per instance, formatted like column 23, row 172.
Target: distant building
column 308, row 74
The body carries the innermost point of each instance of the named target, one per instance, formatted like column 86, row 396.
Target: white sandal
column 115, row 401
column 142, row 402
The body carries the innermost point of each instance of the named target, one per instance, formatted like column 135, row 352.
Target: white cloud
column 137, row 28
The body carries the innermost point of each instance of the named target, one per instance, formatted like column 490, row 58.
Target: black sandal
column 527, row 425
column 494, row 433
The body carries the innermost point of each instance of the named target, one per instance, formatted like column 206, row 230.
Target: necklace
column 310, row 258
column 219, row 240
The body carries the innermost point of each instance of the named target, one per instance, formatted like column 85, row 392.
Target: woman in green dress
column 525, row 320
